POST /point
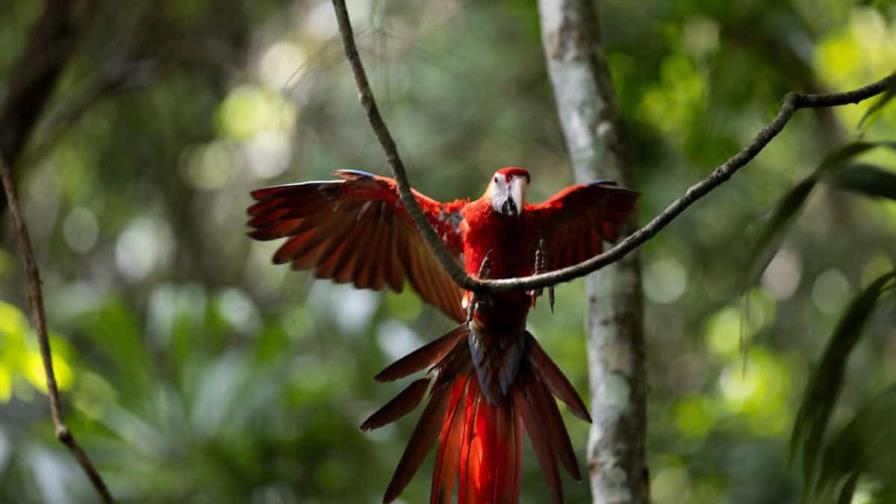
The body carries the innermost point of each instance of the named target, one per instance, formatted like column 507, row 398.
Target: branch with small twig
column 791, row 103
column 32, row 82
column 39, row 319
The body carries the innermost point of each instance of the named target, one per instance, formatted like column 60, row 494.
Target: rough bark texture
column 592, row 126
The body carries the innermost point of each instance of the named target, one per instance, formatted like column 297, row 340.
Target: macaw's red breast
column 508, row 241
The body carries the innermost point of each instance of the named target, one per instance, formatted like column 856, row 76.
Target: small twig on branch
column 791, row 103
column 38, row 317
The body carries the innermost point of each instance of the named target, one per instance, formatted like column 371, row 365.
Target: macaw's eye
column 496, row 179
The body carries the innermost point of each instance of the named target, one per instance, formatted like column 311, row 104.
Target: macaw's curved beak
column 509, row 207
column 517, row 196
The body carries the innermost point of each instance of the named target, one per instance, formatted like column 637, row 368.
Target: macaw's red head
column 507, row 190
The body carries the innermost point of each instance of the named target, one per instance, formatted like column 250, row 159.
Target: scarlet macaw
column 490, row 377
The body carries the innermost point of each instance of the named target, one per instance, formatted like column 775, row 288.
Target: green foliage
column 21, row 368
column 875, row 108
column 836, row 169
column 866, row 179
column 823, row 390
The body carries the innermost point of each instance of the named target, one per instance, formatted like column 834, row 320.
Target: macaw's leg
column 541, row 266
column 485, row 270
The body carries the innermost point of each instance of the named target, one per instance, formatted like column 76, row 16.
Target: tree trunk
column 589, row 114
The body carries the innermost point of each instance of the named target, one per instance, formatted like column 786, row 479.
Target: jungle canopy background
column 194, row 370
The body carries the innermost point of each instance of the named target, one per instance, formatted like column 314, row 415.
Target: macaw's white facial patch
column 508, row 193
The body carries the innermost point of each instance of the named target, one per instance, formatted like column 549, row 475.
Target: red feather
column 575, row 221
column 355, row 230
column 424, row 357
column 448, row 454
column 424, row 436
column 557, row 383
column 541, row 443
column 398, row 407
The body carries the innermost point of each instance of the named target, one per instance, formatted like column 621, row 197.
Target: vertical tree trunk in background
column 591, row 122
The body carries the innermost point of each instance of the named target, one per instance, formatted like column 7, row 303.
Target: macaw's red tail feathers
column 546, row 430
column 549, row 419
column 554, row 379
column 480, row 435
column 398, row 407
column 448, row 454
column 450, row 358
column 424, row 436
column 425, row 356
column 490, row 451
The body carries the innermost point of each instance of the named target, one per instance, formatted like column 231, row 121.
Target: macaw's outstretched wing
column 576, row 221
column 356, row 230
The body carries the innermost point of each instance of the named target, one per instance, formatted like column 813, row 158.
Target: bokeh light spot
column 396, row 339
column 830, row 291
column 209, row 166
column 665, row 280
column 722, row 332
column 249, row 110
column 694, row 416
column 782, row 276
column 80, row 229
column 142, row 247
column 268, row 153
column 281, row 64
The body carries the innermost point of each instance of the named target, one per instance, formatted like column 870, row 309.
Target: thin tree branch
column 365, row 95
column 33, row 80
column 791, row 103
column 38, row 317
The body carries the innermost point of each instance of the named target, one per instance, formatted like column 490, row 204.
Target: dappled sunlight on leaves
column 20, row 358
column 760, row 393
column 250, row 110
column 677, row 99
column 865, row 48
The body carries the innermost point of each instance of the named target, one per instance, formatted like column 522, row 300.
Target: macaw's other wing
column 356, row 230
column 576, row 221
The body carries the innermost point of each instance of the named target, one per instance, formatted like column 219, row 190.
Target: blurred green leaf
column 875, row 108
column 773, row 233
column 848, row 489
column 866, row 179
column 118, row 337
column 785, row 213
column 863, row 447
column 826, row 381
